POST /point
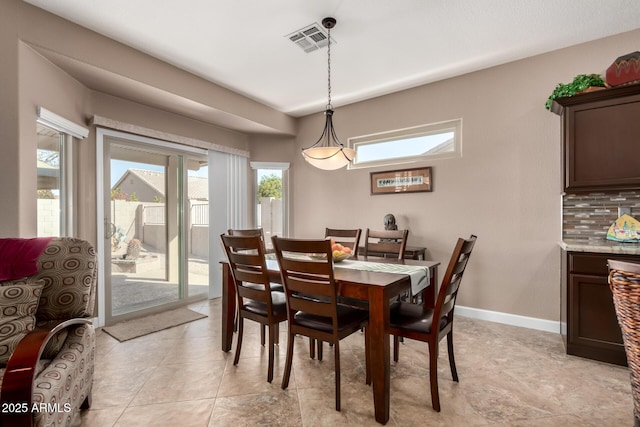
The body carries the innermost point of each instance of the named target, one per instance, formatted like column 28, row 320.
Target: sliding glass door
column 155, row 208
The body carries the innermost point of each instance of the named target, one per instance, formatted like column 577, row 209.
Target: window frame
column 67, row 188
column 286, row 202
column 69, row 133
column 454, row 125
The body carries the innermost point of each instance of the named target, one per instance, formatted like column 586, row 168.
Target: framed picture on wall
column 401, row 181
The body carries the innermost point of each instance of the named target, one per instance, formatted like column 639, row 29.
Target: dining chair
column 415, row 321
column 346, row 237
column 255, row 298
column 249, row 232
column 256, row 232
column 393, row 242
column 381, row 243
column 274, row 286
column 312, row 302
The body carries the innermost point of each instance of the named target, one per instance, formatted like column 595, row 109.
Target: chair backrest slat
column 309, row 284
column 245, row 254
column 450, row 286
column 389, row 241
column 249, row 232
column 346, row 237
column 301, row 303
column 252, row 293
column 447, row 307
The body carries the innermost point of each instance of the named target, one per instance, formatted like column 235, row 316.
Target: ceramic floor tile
column 509, row 377
column 317, row 406
column 179, row 382
column 184, row 414
column 99, row 417
column 249, row 376
column 276, row 409
column 118, row 387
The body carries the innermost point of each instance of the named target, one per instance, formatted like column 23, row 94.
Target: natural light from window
column 408, row 145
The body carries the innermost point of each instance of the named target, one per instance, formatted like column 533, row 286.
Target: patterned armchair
column 49, row 373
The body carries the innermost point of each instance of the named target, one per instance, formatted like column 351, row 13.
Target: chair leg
column 312, row 348
column 287, row 366
column 319, row 350
column 367, row 359
column 433, row 375
column 272, row 332
column 396, row 347
column 239, row 342
column 262, row 328
column 336, row 350
column 452, row 360
column 86, row 403
column 277, row 332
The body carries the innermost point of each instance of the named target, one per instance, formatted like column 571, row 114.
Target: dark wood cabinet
column 601, row 135
column 592, row 329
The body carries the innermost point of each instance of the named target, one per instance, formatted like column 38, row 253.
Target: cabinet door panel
column 600, row 138
column 605, row 138
column 594, row 330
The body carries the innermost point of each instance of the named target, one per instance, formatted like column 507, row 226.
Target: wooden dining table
column 377, row 288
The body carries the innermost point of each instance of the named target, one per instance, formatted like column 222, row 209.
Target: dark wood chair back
column 312, row 303
column 450, row 286
column 256, row 300
column 309, row 283
column 432, row 324
column 348, row 238
column 249, row 232
column 381, row 242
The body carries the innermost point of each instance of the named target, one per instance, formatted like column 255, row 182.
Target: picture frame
column 413, row 180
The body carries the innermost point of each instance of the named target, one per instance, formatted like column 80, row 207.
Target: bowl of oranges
column 339, row 252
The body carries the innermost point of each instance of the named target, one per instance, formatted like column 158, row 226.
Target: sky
column 119, row 167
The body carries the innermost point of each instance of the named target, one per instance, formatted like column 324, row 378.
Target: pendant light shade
column 328, row 153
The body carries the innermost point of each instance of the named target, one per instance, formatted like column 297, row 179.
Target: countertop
column 601, row 246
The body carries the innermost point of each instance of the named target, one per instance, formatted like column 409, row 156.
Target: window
column 437, row 140
column 50, row 197
column 271, row 213
column 54, row 154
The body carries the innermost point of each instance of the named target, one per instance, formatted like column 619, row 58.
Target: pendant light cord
column 329, row 106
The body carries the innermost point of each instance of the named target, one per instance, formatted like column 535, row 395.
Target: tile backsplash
column 587, row 217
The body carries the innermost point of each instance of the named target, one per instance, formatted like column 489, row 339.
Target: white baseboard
column 509, row 319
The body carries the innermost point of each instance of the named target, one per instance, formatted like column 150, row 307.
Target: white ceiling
column 381, row 46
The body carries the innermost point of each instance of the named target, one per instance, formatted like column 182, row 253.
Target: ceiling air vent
column 310, row 38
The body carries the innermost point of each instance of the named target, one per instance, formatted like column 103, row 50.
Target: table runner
column 419, row 275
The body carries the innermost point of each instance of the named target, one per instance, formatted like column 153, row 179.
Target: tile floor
column 509, row 376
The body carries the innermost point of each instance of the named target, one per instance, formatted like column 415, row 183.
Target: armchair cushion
column 68, row 268
column 18, row 305
column 18, row 256
column 55, row 343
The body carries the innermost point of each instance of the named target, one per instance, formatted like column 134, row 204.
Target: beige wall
column 506, row 188
column 9, row 134
column 30, row 79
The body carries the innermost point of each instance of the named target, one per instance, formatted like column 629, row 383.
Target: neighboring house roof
column 198, row 187
column 443, row 147
column 154, row 179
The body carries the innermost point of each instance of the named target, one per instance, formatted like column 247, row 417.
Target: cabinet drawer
column 595, row 264
column 588, row 264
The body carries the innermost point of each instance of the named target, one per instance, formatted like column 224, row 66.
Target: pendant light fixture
column 328, row 152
